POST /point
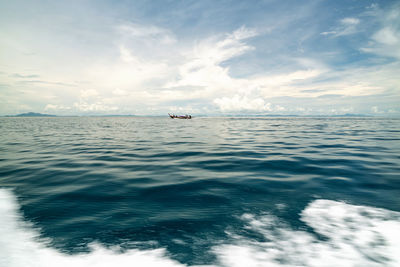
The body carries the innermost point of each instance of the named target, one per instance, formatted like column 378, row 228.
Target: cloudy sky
column 200, row 57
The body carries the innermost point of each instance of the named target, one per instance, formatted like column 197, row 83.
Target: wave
column 335, row 234
column 342, row 235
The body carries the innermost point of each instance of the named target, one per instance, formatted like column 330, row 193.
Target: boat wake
column 339, row 234
column 349, row 236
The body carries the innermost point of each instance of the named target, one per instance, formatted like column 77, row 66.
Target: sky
column 200, row 57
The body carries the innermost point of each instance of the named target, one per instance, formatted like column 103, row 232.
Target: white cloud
column 155, row 33
column 242, row 103
column 88, row 93
column 200, row 72
column 212, row 53
column 279, row 108
column 376, row 110
column 57, row 107
column 119, row 92
column 207, row 78
column 126, row 54
column 202, row 65
column 346, row 26
column 128, row 73
column 385, row 41
column 329, row 33
column 96, row 107
column 386, row 36
column 243, row 33
column 350, row 21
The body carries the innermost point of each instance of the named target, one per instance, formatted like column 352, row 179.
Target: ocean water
column 127, row 191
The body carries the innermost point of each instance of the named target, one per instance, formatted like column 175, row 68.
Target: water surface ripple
column 185, row 185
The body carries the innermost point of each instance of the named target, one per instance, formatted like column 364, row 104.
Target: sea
column 229, row 191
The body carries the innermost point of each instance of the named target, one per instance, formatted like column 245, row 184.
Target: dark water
column 206, row 191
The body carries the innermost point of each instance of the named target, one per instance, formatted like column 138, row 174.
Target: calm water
column 207, row 191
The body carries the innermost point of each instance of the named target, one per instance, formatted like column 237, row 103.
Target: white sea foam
column 352, row 236
column 20, row 246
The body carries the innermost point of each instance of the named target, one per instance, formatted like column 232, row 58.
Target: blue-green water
column 248, row 192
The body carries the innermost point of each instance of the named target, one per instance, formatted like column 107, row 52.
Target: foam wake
column 349, row 235
column 20, row 246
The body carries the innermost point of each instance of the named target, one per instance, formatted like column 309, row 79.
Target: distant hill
column 33, row 114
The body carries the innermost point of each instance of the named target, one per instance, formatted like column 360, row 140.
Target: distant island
column 31, row 114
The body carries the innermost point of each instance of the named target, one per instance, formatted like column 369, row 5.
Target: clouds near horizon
column 124, row 59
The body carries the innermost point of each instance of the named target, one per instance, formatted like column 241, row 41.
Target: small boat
column 185, row 117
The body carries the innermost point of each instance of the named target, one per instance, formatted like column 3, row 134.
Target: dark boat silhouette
column 185, row 117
